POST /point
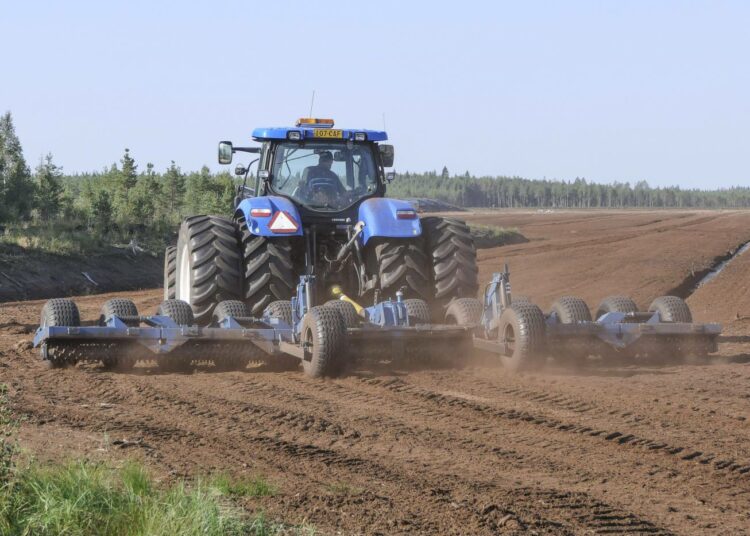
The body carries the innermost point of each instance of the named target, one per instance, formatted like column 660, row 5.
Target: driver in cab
column 320, row 182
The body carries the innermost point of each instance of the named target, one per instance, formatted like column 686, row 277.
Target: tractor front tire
column 453, row 260
column 208, row 264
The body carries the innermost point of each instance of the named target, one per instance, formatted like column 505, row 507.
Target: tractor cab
column 322, row 170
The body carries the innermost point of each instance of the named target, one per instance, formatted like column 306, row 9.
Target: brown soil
column 601, row 450
column 30, row 274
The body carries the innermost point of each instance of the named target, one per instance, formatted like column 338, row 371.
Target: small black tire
column 281, row 309
column 347, row 311
column 177, row 310
column 672, row 309
column 417, row 311
column 230, row 308
column 60, row 312
column 323, row 340
column 120, row 307
column 170, row 273
column 453, row 260
column 616, row 304
column 571, row 310
column 464, row 312
column 522, row 336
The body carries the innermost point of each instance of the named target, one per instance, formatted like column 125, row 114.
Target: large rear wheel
column 400, row 263
column 170, row 272
column 268, row 270
column 208, row 264
column 453, row 261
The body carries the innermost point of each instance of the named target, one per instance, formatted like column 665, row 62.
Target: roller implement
column 523, row 336
column 311, row 224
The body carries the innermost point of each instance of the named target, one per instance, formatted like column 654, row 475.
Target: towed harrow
column 320, row 337
column 522, row 335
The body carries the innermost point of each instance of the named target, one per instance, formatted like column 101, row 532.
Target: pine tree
column 174, row 189
column 16, row 186
column 49, row 188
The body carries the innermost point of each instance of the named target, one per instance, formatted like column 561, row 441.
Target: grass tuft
column 491, row 236
column 86, row 499
column 253, row 487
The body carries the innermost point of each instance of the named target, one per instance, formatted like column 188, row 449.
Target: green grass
column 82, row 498
column 491, row 236
column 235, row 487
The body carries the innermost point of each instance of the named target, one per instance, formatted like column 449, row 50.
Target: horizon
column 609, row 92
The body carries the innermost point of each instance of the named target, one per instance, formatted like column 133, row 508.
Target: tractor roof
column 319, row 129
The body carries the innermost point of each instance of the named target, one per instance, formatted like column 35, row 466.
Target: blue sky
column 607, row 90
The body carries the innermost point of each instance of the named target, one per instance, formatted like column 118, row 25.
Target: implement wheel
column 60, row 312
column 281, row 309
column 521, row 335
column 230, row 308
column 323, row 341
column 672, row 309
column 208, row 264
column 118, row 307
column 616, row 304
column 572, row 310
column 177, row 310
column 170, row 273
column 347, row 311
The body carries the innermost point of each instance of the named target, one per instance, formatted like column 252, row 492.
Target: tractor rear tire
column 170, row 273
column 616, row 304
column 571, row 310
column 230, row 308
column 453, row 260
column 118, row 307
column 672, row 309
column 208, row 264
column 281, row 309
column 177, row 310
column 324, row 342
column 521, row 333
column 399, row 263
column 347, row 311
column 268, row 269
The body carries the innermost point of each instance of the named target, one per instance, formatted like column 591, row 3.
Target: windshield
column 324, row 175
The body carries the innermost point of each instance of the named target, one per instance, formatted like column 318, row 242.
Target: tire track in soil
column 197, row 416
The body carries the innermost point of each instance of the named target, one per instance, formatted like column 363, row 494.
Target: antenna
column 312, row 102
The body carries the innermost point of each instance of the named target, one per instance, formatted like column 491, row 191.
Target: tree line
column 515, row 192
column 127, row 201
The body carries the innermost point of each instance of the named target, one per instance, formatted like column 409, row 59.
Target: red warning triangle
column 282, row 222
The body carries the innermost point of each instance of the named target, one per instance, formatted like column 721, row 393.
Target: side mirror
column 386, row 155
column 390, row 176
column 240, row 170
column 225, row 152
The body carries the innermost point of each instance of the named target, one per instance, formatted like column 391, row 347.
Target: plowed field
column 633, row 449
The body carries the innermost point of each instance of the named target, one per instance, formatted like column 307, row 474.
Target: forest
column 136, row 204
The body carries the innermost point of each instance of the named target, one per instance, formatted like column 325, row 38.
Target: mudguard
column 270, row 205
column 381, row 219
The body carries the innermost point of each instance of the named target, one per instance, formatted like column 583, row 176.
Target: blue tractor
column 313, row 261
column 317, row 206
